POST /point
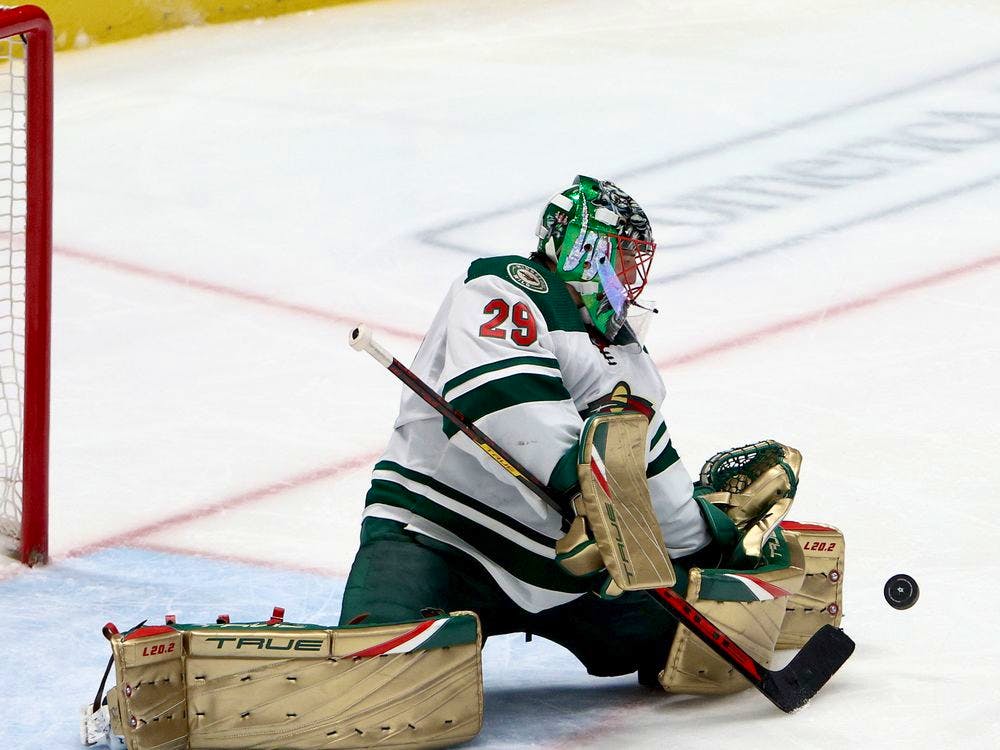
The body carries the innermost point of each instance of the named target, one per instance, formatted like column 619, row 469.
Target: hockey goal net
column 25, row 278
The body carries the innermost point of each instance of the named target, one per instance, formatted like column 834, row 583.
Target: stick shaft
column 494, row 451
column 362, row 340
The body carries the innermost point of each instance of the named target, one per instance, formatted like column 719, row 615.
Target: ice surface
column 230, row 199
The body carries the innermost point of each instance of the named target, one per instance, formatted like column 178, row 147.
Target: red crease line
column 148, row 272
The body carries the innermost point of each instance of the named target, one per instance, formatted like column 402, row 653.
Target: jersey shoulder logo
column 527, row 277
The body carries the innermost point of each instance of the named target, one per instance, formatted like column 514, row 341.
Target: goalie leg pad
column 296, row 687
column 148, row 704
column 748, row 606
column 611, row 467
column 820, row 600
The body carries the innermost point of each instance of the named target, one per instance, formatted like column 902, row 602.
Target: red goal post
column 25, row 277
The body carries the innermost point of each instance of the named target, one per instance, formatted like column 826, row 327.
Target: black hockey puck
column 901, row 591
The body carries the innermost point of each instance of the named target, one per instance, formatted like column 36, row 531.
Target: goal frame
column 33, row 24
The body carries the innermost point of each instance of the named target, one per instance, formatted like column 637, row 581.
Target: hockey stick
column 788, row 688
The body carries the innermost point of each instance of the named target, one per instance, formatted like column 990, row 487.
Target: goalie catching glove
column 744, row 493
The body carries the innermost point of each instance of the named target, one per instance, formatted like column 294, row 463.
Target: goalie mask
column 602, row 246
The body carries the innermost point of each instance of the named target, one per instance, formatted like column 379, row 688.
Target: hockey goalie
column 538, row 352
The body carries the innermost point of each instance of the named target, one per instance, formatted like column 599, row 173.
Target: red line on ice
column 133, row 536
column 747, row 339
column 818, row 316
column 227, row 291
column 607, row 721
column 257, row 562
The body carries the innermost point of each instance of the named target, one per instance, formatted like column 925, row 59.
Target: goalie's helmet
column 601, row 244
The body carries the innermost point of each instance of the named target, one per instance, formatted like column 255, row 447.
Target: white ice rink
column 824, row 182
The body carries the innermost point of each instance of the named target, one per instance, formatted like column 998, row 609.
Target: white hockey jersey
column 509, row 349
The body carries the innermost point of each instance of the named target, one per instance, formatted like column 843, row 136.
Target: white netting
column 13, row 210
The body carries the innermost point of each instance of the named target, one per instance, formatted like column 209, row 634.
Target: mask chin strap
column 653, row 310
column 550, row 251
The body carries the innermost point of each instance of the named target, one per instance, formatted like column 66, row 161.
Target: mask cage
column 632, row 263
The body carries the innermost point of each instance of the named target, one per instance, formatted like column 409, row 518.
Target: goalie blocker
column 297, row 687
column 615, row 527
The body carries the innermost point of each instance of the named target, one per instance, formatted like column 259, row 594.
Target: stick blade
column 792, row 687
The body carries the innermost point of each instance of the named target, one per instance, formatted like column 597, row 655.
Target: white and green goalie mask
column 601, row 244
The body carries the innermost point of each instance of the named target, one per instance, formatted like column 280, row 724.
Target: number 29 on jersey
column 522, row 328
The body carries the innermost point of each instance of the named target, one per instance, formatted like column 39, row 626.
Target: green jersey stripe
column 658, row 435
column 486, row 510
column 524, row 565
column 505, row 392
column 502, row 364
column 667, row 458
column 543, row 550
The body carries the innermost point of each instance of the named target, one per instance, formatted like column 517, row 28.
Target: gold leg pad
column 148, row 705
column 693, row 668
column 267, row 686
column 748, row 606
column 820, row 601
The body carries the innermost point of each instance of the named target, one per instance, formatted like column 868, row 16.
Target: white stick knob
column 361, row 339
